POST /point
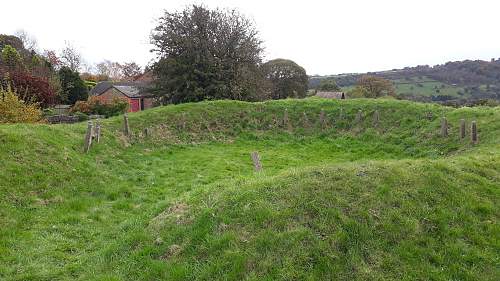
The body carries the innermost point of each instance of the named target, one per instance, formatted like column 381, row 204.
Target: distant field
column 423, row 86
column 428, row 88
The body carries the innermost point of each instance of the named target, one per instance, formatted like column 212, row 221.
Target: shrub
column 81, row 116
column 94, row 106
column 48, row 112
column 15, row 110
column 30, row 87
column 82, row 106
column 115, row 107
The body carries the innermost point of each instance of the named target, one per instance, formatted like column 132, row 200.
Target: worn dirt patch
column 175, row 213
column 172, row 251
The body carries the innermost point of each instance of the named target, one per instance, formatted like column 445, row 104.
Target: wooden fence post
column 376, row 118
column 88, row 137
column 126, row 129
column 444, row 127
column 183, row 121
column 429, row 115
column 322, row 119
column 473, row 132
column 358, row 117
column 305, row 121
column 256, row 161
column 285, row 119
column 97, row 131
column 462, row 128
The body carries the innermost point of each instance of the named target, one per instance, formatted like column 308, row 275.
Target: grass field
column 346, row 201
column 429, row 88
column 424, row 87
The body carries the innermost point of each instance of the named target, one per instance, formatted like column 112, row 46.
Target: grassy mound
column 343, row 199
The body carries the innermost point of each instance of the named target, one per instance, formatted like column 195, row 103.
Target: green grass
column 428, row 88
column 424, row 87
column 346, row 202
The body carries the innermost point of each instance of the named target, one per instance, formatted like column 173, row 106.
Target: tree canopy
column 287, row 79
column 374, row 87
column 73, row 88
column 206, row 54
column 329, row 85
column 11, row 57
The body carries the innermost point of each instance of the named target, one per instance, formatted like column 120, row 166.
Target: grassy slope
column 429, row 89
column 348, row 202
column 423, row 87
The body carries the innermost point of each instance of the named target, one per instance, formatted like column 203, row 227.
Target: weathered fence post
column 256, row 161
column 462, row 128
column 286, row 121
column 126, row 128
column 88, row 137
column 305, row 120
column 322, row 119
column 429, row 115
column 376, row 118
column 97, row 131
column 473, row 132
column 358, row 117
column 444, row 127
column 183, row 121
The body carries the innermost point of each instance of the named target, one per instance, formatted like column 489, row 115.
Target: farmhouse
column 332, row 95
column 135, row 93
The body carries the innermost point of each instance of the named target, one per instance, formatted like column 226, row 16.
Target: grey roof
column 129, row 89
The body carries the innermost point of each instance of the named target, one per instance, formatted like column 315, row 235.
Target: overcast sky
column 325, row 37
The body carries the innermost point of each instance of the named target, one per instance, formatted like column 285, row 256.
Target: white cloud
column 323, row 36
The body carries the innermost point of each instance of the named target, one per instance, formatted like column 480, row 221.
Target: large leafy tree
column 287, row 79
column 131, row 70
column 374, row 87
column 71, row 58
column 328, row 85
column 73, row 88
column 11, row 57
column 206, row 54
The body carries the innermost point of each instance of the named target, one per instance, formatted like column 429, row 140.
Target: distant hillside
column 461, row 80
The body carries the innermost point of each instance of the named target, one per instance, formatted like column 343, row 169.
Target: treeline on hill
column 468, row 81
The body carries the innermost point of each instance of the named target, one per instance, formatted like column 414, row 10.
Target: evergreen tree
column 73, row 88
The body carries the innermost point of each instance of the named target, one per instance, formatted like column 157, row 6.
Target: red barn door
column 135, row 105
